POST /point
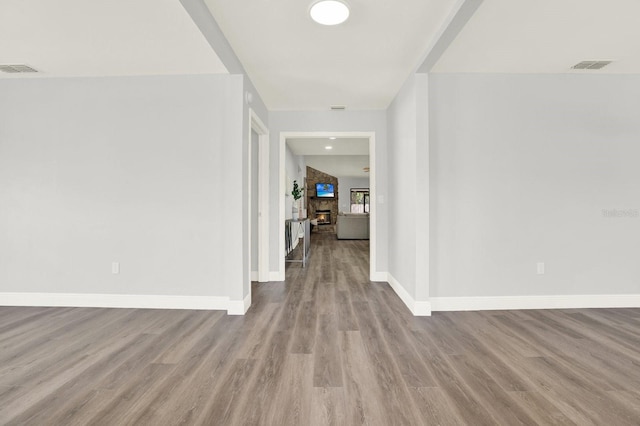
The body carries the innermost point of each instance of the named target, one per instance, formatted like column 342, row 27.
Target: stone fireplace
column 323, row 209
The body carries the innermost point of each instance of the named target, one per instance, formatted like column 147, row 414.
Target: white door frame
column 373, row 215
column 256, row 125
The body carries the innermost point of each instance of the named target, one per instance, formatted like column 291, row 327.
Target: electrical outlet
column 115, row 268
column 540, row 268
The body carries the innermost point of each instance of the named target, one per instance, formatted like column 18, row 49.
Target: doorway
column 283, row 189
column 258, row 200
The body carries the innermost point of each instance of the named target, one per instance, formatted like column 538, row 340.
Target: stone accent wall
column 316, row 176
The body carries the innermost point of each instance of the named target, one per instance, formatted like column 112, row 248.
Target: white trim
column 276, row 276
column 263, row 206
column 281, row 214
column 373, row 207
column 263, row 196
column 417, row 308
column 254, row 275
column 137, row 301
column 256, row 125
column 379, row 276
column 422, row 308
column 239, row 307
column 248, row 242
column 373, row 273
column 535, row 302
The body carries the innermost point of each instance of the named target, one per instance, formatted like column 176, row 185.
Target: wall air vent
column 12, row 69
column 338, row 107
column 590, row 65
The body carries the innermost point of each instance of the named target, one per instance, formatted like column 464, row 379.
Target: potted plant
column 296, row 193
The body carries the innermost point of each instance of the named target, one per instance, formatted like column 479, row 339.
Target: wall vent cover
column 338, row 107
column 12, row 69
column 591, row 65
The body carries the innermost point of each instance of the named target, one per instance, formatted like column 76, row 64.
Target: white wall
column 236, row 152
column 522, row 168
column 132, row 169
column 330, row 121
column 295, row 169
column 344, row 190
column 408, row 192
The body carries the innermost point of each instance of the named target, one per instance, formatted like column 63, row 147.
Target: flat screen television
column 325, row 190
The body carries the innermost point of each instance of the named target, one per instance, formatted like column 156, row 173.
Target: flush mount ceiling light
column 329, row 12
column 332, row 138
column 328, row 147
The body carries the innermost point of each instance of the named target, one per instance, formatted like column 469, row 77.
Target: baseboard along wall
column 417, row 308
column 133, row 301
column 489, row 303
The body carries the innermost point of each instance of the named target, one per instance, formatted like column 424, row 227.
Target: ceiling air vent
column 16, row 68
column 338, row 107
column 590, row 65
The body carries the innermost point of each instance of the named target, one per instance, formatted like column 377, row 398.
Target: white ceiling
column 339, row 146
column 297, row 64
column 547, row 36
column 347, row 158
column 103, row 38
column 340, row 166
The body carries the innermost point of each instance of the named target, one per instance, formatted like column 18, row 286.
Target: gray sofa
column 352, row 226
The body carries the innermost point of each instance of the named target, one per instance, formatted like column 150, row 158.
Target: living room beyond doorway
column 337, row 176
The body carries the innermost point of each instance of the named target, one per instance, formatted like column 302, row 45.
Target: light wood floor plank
column 294, row 390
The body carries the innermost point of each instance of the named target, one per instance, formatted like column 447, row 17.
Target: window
column 359, row 200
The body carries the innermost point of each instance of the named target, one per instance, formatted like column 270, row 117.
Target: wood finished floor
column 325, row 347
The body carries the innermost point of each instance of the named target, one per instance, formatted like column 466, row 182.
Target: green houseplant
column 296, row 193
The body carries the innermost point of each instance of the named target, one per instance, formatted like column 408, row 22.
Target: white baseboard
column 276, row 276
column 422, row 309
column 253, row 275
column 136, row 301
column 379, row 276
column 535, row 302
column 239, row 307
column 417, row 308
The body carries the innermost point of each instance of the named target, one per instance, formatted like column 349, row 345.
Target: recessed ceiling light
column 328, row 147
column 329, row 12
column 332, row 138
